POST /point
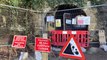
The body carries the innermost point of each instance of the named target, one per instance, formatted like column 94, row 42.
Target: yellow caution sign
column 58, row 22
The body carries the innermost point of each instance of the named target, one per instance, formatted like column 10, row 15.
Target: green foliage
column 15, row 2
column 27, row 3
column 38, row 4
column 11, row 2
column 97, row 2
column 33, row 4
column 41, row 4
column 4, row 1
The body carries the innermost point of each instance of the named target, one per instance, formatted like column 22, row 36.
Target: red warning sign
column 19, row 41
column 72, row 50
column 42, row 45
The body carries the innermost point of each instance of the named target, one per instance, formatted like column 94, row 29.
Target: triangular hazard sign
column 72, row 50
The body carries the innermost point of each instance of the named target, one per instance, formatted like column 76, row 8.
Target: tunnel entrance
column 73, row 12
column 65, row 14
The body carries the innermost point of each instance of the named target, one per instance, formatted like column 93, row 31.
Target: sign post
column 19, row 41
column 42, row 47
column 44, row 54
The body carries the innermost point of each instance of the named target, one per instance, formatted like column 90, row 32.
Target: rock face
column 102, row 22
column 14, row 21
column 98, row 20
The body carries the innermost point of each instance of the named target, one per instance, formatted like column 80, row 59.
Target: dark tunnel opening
column 73, row 11
column 67, row 8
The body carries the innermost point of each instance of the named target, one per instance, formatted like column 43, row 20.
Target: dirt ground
column 99, row 54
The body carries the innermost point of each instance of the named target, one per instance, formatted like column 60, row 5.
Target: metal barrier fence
column 59, row 37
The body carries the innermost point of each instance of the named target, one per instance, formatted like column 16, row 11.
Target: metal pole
column 64, row 21
column 44, row 26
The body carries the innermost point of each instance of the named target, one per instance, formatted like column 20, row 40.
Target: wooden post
column 45, row 55
column 102, row 38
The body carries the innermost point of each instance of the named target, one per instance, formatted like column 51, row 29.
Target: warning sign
column 83, row 20
column 50, row 18
column 68, row 21
column 58, row 22
column 42, row 45
column 72, row 50
column 19, row 41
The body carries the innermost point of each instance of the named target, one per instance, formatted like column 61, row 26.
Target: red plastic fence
column 59, row 37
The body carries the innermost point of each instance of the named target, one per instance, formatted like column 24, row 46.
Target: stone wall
column 98, row 20
column 16, row 22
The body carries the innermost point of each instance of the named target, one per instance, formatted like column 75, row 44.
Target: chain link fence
column 18, row 22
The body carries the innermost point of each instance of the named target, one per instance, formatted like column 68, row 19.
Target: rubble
column 23, row 56
column 7, row 53
column 83, row 49
column 104, row 47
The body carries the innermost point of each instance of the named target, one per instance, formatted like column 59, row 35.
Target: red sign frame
column 72, row 56
column 19, row 41
column 42, row 45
